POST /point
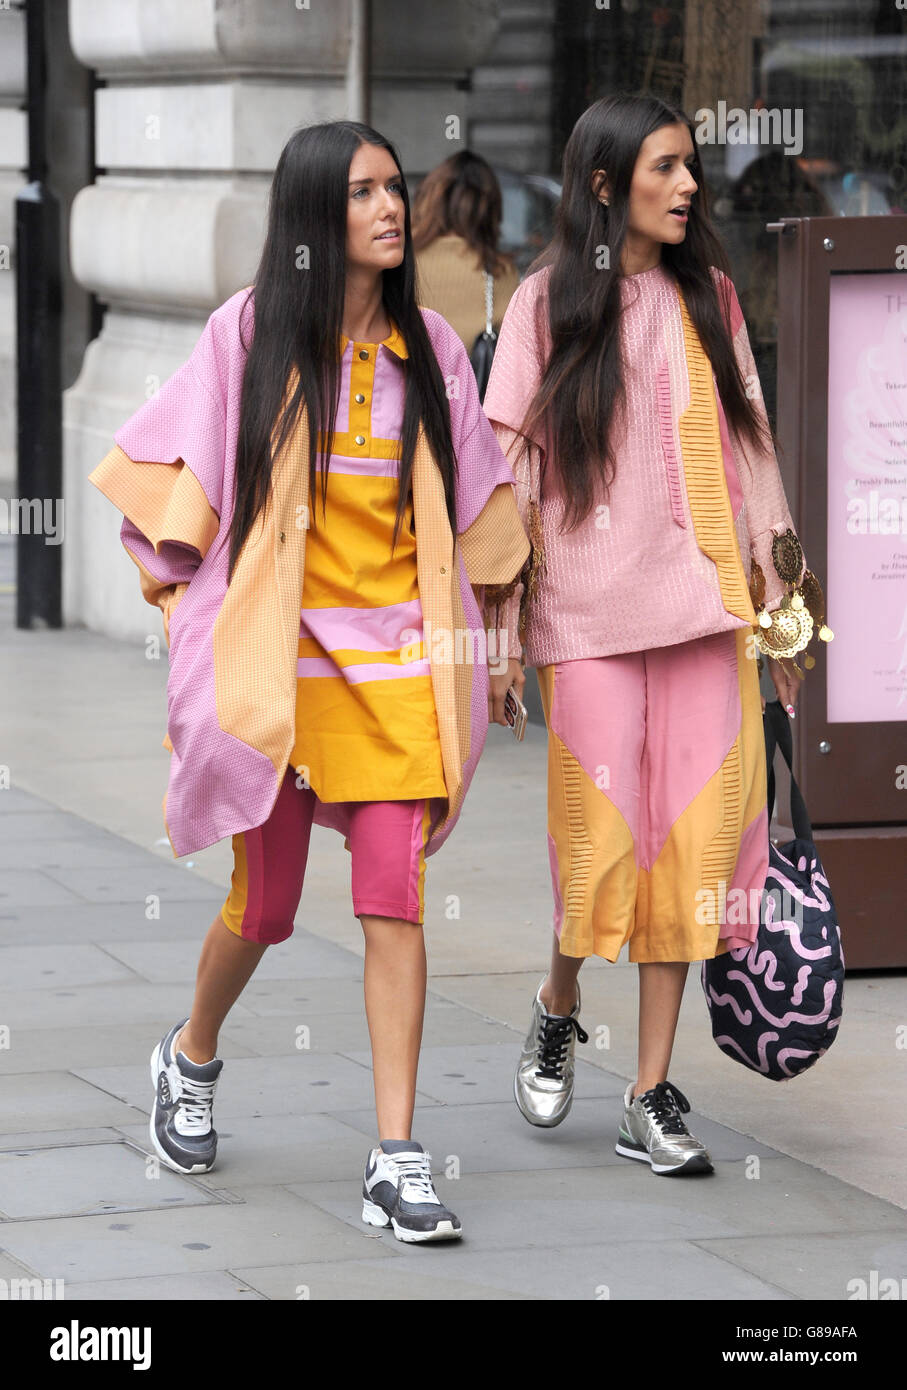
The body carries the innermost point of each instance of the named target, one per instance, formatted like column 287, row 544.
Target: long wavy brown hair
column 462, row 196
column 583, row 380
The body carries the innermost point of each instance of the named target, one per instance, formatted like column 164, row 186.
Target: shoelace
column 195, row 1102
column 415, row 1172
column 663, row 1103
column 554, row 1039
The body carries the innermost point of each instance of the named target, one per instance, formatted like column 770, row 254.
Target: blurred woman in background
column 456, row 225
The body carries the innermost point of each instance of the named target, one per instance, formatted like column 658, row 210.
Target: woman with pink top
column 625, row 395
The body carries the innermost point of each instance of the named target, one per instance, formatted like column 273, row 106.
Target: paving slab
column 274, row 998
column 79, row 1180
column 21, row 886
column 104, row 923
column 306, row 1083
column 15, row 801
column 47, row 825
column 495, row 1137
column 124, row 1002
column 380, row 1280
column 826, row 1266
column 272, row 1226
column 55, row 1138
column 204, row 1286
column 104, row 884
column 13, row 1269
column 47, row 967
column 50, row 1049
column 445, row 1025
column 572, row 1207
column 302, row 957
column 614, row 1270
column 100, row 850
column 55, row 1099
column 285, row 1148
column 478, row 1072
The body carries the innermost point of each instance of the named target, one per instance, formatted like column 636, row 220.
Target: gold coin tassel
column 790, row 628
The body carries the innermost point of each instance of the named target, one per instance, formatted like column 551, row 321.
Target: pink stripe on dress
column 364, row 671
column 359, row 467
column 365, row 629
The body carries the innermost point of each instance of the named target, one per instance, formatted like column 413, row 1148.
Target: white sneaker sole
column 373, row 1215
column 155, row 1142
column 696, row 1163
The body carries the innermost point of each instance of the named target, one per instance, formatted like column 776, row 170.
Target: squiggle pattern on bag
column 828, row 995
column 743, row 1015
column 797, row 893
column 757, row 963
column 786, row 1052
column 793, row 932
column 762, row 1046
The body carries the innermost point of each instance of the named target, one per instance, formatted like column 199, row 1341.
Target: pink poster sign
column 867, row 498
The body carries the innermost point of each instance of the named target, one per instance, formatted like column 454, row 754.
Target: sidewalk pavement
column 808, row 1192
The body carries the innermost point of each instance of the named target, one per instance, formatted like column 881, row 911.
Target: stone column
column 196, row 104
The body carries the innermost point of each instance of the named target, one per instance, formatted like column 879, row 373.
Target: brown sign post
column 842, row 369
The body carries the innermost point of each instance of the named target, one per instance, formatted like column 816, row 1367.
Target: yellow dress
column 366, row 724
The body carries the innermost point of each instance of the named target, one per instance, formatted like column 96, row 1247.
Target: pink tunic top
column 633, row 575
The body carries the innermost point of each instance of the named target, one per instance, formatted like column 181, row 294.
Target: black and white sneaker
column 398, row 1191
column 181, row 1118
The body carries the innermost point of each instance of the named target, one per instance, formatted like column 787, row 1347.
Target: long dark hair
column 462, row 195
column 583, row 380
column 298, row 322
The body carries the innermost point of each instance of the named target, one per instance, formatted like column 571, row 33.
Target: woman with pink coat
column 314, row 499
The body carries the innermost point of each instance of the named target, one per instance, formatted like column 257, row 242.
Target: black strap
column 778, row 735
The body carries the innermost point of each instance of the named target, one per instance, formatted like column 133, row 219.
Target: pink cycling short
column 387, row 844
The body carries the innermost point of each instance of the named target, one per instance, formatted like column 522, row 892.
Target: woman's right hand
column 498, row 685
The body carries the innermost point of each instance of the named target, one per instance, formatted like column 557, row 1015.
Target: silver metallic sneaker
column 543, row 1084
column 653, row 1131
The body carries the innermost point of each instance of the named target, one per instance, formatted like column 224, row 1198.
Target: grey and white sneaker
column 181, row 1125
column 398, row 1191
column 543, row 1084
column 652, row 1130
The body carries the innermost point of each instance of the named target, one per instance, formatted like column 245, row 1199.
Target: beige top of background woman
column 456, row 224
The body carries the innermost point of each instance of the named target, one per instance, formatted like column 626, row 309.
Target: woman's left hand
column 498, row 684
column 785, row 680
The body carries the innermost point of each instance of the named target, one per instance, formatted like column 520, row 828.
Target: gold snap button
column 360, row 438
column 363, row 354
column 360, row 399
column 443, row 569
column 282, row 536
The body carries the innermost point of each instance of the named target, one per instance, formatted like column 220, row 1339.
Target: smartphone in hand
column 515, row 713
